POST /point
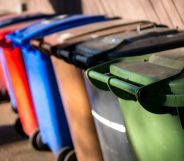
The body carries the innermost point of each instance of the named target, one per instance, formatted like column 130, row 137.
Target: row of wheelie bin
column 95, row 88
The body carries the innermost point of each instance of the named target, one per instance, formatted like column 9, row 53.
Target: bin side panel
column 109, row 124
column 20, row 87
column 153, row 137
column 48, row 104
column 77, row 108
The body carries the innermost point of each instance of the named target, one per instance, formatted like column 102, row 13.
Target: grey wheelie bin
column 150, row 93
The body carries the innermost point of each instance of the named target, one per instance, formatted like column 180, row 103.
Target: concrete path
column 14, row 147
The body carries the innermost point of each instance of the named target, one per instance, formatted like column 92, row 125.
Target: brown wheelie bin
column 72, row 84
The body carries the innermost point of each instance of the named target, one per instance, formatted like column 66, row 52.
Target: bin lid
column 12, row 28
column 96, row 51
column 52, row 25
column 160, row 66
column 157, row 84
column 23, row 17
column 90, row 31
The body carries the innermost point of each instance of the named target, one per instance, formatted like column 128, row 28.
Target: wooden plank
column 172, row 13
column 179, row 5
column 107, row 6
column 113, row 8
column 120, row 8
column 162, row 14
column 85, row 7
column 149, row 10
column 128, row 10
column 100, row 7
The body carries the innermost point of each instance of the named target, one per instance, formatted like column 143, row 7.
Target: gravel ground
column 14, row 147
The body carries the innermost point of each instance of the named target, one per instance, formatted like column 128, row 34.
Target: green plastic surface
column 155, row 135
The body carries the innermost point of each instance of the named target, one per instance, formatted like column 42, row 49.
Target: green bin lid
column 158, row 67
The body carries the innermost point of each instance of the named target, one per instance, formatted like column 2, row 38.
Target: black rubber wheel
column 37, row 143
column 63, row 153
column 71, row 156
column 19, row 129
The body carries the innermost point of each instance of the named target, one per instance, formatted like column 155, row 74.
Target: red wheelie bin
column 17, row 75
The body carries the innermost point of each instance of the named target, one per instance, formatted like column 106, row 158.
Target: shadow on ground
column 9, row 135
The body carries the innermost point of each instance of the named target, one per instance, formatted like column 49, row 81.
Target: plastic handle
column 98, row 79
column 125, row 86
column 98, row 76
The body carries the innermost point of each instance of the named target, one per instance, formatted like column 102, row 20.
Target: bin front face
column 109, row 124
column 153, row 137
column 78, row 112
column 48, row 105
column 16, row 80
column 17, row 75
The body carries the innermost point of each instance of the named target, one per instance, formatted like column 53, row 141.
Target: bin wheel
column 71, row 156
column 4, row 96
column 37, row 143
column 19, row 128
column 63, row 153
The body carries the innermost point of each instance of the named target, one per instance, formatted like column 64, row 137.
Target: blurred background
column 169, row 12
column 164, row 11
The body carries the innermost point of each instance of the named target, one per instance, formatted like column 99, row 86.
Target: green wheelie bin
column 150, row 93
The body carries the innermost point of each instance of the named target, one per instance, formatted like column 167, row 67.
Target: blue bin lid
column 49, row 26
column 14, row 19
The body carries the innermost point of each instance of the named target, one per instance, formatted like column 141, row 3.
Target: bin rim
column 89, row 29
column 45, row 27
column 176, row 85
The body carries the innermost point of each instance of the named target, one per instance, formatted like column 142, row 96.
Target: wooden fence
column 170, row 12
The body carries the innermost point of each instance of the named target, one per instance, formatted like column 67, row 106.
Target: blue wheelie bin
column 52, row 122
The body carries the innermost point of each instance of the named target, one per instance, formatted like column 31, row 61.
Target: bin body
column 12, row 60
column 109, row 124
column 154, row 135
column 55, row 131
column 17, row 74
column 77, row 109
